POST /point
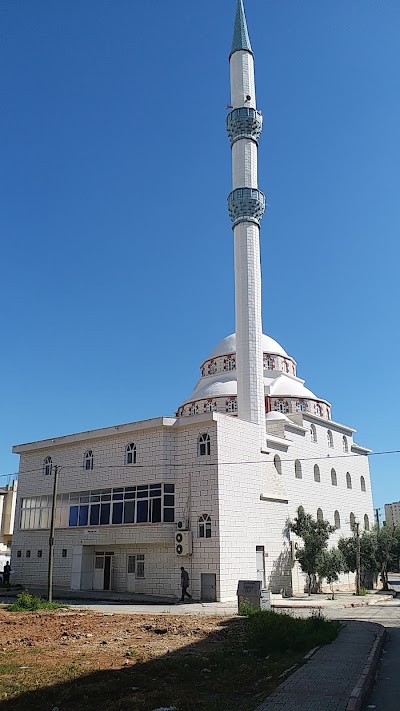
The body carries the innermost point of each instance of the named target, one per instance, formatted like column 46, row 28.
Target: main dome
column 216, row 391
column 228, row 345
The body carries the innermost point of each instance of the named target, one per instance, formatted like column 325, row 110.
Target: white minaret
column 246, row 206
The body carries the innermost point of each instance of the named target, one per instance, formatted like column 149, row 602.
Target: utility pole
column 358, row 556
column 51, row 539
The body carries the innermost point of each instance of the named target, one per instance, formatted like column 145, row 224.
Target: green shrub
column 30, row 603
column 275, row 632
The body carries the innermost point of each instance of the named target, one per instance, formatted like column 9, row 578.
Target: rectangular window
column 117, row 512
column 83, row 515
column 28, row 554
column 156, row 510
column 131, row 564
column 140, row 566
column 94, row 514
column 64, row 553
column 105, row 514
column 73, row 515
column 142, row 511
column 19, row 554
column 39, row 553
column 129, row 512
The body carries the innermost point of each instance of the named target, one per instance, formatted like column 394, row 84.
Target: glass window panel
column 95, row 492
column 94, row 514
column 106, row 497
column 105, row 491
column 118, row 496
column 95, row 497
column 73, row 516
column 131, row 564
column 130, row 488
column 142, row 511
column 156, row 511
column 45, row 518
column 129, row 512
column 155, row 486
column 117, row 512
column 84, row 499
column 99, row 563
column 169, row 515
column 130, row 495
column 83, row 515
column 169, row 488
column 63, row 517
column 74, row 498
column 169, row 500
column 143, row 487
column 23, row 518
column 143, row 494
column 118, row 490
column 105, row 514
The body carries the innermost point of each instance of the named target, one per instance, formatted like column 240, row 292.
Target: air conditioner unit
column 183, row 543
column 180, row 524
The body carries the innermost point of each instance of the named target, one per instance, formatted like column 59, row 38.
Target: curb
column 361, row 688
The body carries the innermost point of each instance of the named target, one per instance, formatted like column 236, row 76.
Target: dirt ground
column 86, row 661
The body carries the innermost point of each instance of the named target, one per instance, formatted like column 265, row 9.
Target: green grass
column 275, row 632
column 31, row 603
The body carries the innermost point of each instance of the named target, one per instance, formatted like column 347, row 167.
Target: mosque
column 214, row 487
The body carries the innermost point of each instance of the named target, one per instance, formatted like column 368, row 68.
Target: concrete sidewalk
column 336, row 677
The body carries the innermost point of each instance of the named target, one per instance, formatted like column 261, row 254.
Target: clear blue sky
column 116, row 270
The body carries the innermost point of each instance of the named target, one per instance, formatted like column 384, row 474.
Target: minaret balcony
column 246, row 205
column 244, row 123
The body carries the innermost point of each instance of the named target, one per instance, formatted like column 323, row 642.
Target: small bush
column 274, row 632
column 362, row 592
column 30, row 603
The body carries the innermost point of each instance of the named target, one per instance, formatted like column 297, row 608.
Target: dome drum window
column 345, row 444
column 231, row 405
column 317, row 473
column 348, row 481
column 313, row 433
column 204, row 445
column 333, row 477
column 330, row 439
column 362, row 484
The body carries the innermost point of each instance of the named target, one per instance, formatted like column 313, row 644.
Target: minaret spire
column 241, row 39
column 246, row 205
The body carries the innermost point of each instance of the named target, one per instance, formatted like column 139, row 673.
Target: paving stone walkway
column 325, row 682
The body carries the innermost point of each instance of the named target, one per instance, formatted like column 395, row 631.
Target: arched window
column 330, row 438
column 348, row 481
column 301, row 406
column 320, row 515
column 194, row 410
column 88, row 460
column 345, row 444
column 352, row 521
column 362, row 482
column 281, row 406
column 297, row 470
column 130, row 453
column 203, row 445
column 205, row 526
column 230, row 364
column 333, row 477
column 47, row 466
column 212, row 368
column 269, row 363
column 317, row 409
column 278, row 463
column 231, row 406
column 337, row 519
column 211, row 407
column 285, row 367
column 366, row 522
column 317, row 473
column 313, row 433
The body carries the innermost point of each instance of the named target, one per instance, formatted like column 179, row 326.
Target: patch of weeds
column 271, row 632
column 31, row 603
column 132, row 653
column 362, row 592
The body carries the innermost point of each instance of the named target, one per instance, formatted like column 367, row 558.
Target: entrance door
column 209, row 587
column 260, row 562
column 102, row 574
column 130, row 573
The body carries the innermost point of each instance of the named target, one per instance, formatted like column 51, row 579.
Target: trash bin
column 249, row 594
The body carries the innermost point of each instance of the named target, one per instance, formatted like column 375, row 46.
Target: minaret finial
column 241, row 39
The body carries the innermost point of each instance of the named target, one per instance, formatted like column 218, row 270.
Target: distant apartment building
column 392, row 514
column 8, row 498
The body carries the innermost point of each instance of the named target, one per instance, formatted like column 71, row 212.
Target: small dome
column 274, row 415
column 228, row 345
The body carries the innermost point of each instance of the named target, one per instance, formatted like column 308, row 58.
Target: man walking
column 184, row 584
column 6, row 574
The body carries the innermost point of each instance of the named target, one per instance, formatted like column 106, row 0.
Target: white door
column 130, row 573
column 260, row 562
column 98, row 573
